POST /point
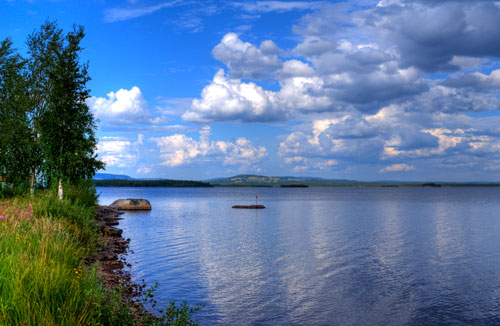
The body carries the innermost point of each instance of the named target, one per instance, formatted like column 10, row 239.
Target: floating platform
column 250, row 206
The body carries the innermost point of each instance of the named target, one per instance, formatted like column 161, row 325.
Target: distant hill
column 253, row 180
column 122, row 180
column 109, row 176
column 149, row 183
column 261, row 180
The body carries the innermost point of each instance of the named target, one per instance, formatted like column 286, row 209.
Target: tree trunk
column 33, row 161
column 60, row 190
column 33, row 178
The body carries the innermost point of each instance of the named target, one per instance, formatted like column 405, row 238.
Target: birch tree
column 15, row 144
column 43, row 46
column 67, row 126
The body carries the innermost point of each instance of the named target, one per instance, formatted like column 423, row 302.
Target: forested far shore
column 250, row 180
column 304, row 184
column 149, row 183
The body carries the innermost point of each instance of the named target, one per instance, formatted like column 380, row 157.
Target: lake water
column 321, row 256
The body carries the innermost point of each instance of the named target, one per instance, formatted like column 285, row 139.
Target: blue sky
column 366, row 90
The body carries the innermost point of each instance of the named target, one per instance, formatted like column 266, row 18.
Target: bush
column 8, row 190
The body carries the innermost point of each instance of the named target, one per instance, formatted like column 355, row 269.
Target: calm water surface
column 321, row 256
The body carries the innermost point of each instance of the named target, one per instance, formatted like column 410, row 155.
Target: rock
column 250, row 206
column 107, row 211
column 132, row 204
column 113, row 265
column 109, row 257
column 111, row 231
column 110, row 221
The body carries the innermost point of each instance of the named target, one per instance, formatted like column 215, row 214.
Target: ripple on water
column 336, row 256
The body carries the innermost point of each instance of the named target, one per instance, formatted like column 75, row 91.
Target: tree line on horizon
column 149, row 183
column 47, row 132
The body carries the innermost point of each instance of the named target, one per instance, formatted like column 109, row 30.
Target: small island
column 431, row 184
column 250, row 206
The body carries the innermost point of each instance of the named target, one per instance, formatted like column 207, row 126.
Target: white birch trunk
column 32, row 183
column 60, row 190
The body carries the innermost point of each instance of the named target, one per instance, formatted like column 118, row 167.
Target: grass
column 43, row 279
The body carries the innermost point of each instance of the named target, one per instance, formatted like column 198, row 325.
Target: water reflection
column 322, row 256
column 449, row 233
column 231, row 266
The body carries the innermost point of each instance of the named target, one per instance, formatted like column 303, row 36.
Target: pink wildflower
column 1, row 217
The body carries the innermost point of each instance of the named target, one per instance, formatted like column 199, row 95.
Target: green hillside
column 252, row 180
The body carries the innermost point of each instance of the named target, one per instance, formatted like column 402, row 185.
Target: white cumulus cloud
column 392, row 135
column 119, row 152
column 179, row 149
column 121, row 107
column 397, row 168
column 231, row 99
column 227, row 99
column 245, row 60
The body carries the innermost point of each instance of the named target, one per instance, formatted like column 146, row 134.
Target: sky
column 363, row 90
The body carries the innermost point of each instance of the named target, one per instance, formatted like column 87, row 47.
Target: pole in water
column 256, row 199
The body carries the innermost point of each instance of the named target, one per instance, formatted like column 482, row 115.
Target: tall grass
column 43, row 279
column 40, row 256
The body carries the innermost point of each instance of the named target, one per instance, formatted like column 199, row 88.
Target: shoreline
column 111, row 260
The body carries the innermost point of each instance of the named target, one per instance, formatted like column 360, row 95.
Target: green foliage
column 9, row 190
column 180, row 316
column 42, row 277
column 43, row 46
column 67, row 125
column 72, row 210
column 47, row 130
column 116, row 311
column 43, row 280
column 47, row 134
column 82, row 193
column 14, row 132
column 174, row 315
column 149, row 183
column 44, row 243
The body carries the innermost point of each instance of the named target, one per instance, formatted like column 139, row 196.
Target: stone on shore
column 132, row 204
column 111, row 231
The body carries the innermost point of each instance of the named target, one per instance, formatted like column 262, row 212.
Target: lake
column 321, row 256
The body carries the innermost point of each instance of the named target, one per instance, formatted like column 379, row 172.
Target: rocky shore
column 111, row 260
column 111, row 264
